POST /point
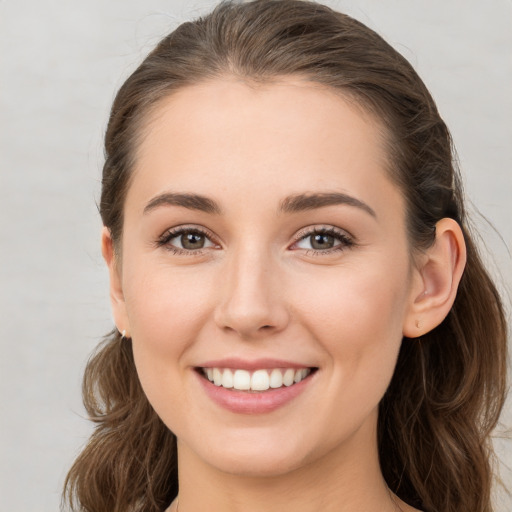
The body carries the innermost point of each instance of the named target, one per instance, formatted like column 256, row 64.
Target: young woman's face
column 264, row 244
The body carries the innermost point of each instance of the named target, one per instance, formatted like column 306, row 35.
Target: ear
column 116, row 288
column 437, row 277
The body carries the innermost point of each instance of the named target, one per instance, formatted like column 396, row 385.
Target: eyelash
column 346, row 241
column 164, row 240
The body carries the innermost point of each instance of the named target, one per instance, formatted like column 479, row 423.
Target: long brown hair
column 448, row 389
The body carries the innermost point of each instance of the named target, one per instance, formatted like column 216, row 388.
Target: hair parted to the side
column 448, row 388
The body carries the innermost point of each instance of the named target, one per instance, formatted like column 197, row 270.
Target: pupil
column 322, row 241
column 192, row 241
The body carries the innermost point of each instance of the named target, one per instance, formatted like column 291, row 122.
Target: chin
column 263, row 465
column 259, row 454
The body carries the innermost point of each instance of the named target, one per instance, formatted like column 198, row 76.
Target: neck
column 345, row 479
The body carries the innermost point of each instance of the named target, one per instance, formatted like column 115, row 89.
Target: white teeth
column 288, row 377
column 259, row 380
column 217, row 377
column 242, row 380
column 227, row 379
column 276, row 379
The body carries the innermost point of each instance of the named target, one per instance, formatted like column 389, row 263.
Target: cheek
column 350, row 301
column 357, row 317
column 162, row 302
column 166, row 310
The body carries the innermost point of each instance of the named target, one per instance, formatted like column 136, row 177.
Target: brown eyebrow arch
column 190, row 201
column 291, row 204
column 302, row 202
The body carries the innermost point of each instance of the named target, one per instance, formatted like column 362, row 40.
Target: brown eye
column 321, row 241
column 191, row 241
column 324, row 240
column 185, row 240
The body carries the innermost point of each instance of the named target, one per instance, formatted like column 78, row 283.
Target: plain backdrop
column 60, row 65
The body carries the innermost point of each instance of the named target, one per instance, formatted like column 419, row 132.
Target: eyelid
column 322, row 228
column 347, row 239
column 176, row 231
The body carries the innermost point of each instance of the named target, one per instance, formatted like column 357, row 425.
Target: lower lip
column 243, row 402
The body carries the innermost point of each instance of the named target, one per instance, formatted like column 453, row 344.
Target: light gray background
column 61, row 63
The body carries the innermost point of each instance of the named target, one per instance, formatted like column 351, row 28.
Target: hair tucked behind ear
column 448, row 388
column 444, row 400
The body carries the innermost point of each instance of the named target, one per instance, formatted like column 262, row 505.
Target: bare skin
column 332, row 287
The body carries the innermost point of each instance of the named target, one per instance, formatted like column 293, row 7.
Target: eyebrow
column 190, row 201
column 291, row 204
column 304, row 202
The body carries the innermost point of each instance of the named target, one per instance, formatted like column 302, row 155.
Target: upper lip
column 253, row 364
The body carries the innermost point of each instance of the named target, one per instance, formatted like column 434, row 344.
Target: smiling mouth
column 255, row 381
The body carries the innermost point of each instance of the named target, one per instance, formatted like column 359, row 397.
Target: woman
column 303, row 321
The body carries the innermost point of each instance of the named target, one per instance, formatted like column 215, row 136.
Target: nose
column 251, row 297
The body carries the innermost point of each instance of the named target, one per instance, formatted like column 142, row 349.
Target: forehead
column 268, row 139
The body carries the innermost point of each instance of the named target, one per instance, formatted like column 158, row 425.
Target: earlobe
column 116, row 288
column 439, row 275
